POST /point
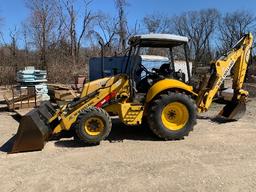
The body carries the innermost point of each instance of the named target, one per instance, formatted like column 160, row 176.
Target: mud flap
column 34, row 129
column 233, row 111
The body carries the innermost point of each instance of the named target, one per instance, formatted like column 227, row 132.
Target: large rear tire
column 93, row 125
column 172, row 116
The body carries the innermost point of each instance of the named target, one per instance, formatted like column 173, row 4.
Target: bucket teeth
column 34, row 129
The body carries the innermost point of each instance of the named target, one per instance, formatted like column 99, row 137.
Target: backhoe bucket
column 233, row 111
column 34, row 129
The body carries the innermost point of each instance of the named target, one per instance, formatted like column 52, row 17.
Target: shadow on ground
column 121, row 132
column 216, row 119
column 6, row 147
column 71, row 143
column 118, row 133
column 3, row 107
column 16, row 117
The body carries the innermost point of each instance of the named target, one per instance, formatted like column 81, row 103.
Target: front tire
column 172, row 116
column 93, row 125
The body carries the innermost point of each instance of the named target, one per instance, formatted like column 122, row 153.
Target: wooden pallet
column 20, row 101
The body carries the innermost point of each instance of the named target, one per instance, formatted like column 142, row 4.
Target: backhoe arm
column 238, row 58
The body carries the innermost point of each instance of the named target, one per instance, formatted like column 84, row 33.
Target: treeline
column 61, row 35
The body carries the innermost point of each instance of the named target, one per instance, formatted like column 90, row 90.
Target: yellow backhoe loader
column 161, row 96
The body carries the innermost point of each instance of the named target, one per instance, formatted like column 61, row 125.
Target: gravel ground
column 215, row 157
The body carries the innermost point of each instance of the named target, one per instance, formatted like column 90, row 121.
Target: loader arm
column 238, row 59
column 112, row 87
column 45, row 122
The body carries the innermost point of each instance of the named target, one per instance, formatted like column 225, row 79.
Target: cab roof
column 158, row 40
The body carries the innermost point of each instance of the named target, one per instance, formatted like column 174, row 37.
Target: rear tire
column 172, row 116
column 93, row 125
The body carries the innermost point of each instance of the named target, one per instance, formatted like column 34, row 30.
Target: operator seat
column 166, row 71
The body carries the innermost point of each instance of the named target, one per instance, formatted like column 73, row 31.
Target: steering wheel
column 148, row 73
column 146, row 79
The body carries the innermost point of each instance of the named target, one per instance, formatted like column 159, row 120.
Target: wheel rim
column 93, row 126
column 175, row 116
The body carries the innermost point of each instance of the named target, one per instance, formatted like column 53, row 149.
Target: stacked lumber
column 62, row 94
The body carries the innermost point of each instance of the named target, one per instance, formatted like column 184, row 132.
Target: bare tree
column 122, row 24
column 13, row 47
column 107, row 32
column 70, row 18
column 134, row 30
column 199, row 27
column 25, row 35
column 157, row 23
column 42, row 21
column 233, row 25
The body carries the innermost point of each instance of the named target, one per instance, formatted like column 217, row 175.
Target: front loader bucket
column 233, row 111
column 34, row 129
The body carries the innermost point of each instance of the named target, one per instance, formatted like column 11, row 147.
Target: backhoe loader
column 161, row 97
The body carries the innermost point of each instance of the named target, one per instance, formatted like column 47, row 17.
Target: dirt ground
column 215, row 157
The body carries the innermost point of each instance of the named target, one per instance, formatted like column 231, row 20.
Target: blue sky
column 15, row 11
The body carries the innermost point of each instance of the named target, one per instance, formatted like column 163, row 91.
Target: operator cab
column 171, row 52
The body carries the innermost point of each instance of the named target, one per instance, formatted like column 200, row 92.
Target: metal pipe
column 187, row 62
column 102, row 58
column 171, row 64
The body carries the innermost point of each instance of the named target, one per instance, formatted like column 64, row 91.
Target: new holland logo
column 232, row 63
column 247, row 56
